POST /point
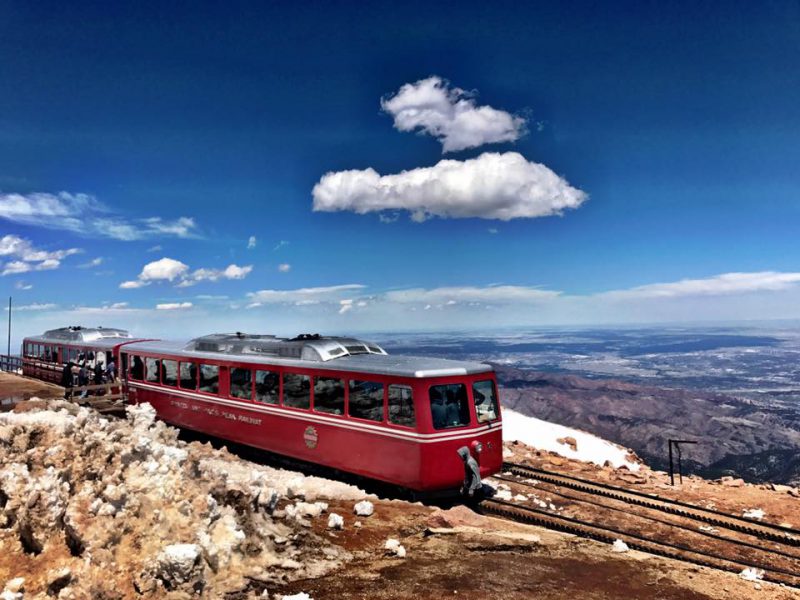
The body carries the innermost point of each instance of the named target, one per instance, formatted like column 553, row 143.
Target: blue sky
column 141, row 132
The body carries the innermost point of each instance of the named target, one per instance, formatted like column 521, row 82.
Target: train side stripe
column 412, row 436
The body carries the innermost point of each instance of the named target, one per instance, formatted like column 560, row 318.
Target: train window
column 209, row 379
column 484, row 395
column 267, row 387
column 241, row 383
column 152, row 366
column 296, row 390
column 169, row 372
column 449, row 405
column 188, row 376
column 137, row 367
column 366, row 400
column 401, row 406
column 329, row 395
column 47, row 354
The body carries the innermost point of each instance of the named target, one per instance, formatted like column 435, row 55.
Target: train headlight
column 478, row 447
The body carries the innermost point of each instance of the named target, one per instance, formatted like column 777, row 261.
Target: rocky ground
column 95, row 507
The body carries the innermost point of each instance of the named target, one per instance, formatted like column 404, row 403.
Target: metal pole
column 9, row 328
column 671, row 471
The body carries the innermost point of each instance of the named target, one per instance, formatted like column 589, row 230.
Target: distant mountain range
column 737, row 437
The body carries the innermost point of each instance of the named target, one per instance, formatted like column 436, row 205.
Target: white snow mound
column 543, row 435
column 752, row 574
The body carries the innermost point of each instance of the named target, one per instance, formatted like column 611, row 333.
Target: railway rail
column 781, row 566
column 766, row 531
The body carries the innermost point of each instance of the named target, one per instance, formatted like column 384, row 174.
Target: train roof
column 335, row 353
column 100, row 337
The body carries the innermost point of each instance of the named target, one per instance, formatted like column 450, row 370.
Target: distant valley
column 734, row 390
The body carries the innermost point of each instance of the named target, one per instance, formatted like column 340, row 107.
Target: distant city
column 757, row 363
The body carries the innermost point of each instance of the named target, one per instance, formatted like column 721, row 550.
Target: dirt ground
column 14, row 388
column 458, row 554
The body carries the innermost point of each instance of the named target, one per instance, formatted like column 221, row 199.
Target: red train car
column 44, row 356
column 338, row 402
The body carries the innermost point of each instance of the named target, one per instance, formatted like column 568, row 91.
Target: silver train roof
column 335, row 353
column 99, row 337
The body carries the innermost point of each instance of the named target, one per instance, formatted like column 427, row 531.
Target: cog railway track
column 653, row 524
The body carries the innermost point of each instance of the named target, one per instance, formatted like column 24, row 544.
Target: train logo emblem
column 310, row 437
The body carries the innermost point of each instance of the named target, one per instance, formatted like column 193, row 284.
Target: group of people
column 82, row 374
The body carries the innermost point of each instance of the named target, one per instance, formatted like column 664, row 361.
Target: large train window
column 169, row 372
column 401, row 406
column 241, row 383
column 296, row 390
column 209, row 379
column 188, row 374
column 484, row 395
column 268, row 387
column 329, row 395
column 152, row 369
column 366, row 400
column 449, row 405
column 137, row 366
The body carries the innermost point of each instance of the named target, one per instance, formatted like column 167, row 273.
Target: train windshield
column 484, row 394
column 449, row 405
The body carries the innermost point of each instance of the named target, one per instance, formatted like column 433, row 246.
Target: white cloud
column 164, row 269
column 280, row 245
column 724, row 284
column 156, row 248
column 493, row 230
column 36, row 306
column 85, row 215
column 117, row 305
column 491, row 186
column 345, row 305
column 251, row 243
column 498, row 294
column 169, row 269
column 29, row 257
column 284, row 267
column 451, row 115
column 302, row 295
column 174, row 306
column 96, row 262
column 21, row 285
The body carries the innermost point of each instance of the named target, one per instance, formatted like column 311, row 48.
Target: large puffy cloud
column 29, row 258
column 169, row 269
column 491, row 186
column 451, row 115
column 84, row 214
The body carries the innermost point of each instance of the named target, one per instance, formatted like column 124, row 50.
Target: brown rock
column 569, row 441
column 458, row 516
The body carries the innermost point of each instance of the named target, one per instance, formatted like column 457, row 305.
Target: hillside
column 735, row 436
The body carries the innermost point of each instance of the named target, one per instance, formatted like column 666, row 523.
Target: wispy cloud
column 725, row 284
column 302, row 296
column 491, row 186
column 169, row 269
column 499, row 294
column 174, row 306
column 280, row 244
column 22, row 285
column 36, row 306
column 252, row 242
column 83, row 214
column 284, row 267
column 451, row 115
column 95, row 262
column 28, row 257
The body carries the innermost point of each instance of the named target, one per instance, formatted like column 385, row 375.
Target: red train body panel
column 405, row 431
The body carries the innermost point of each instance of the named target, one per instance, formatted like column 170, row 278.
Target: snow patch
column 364, row 508
column 752, row 574
column 754, row 513
column 619, row 546
column 544, row 435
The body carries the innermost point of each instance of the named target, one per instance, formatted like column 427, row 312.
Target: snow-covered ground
column 544, row 435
